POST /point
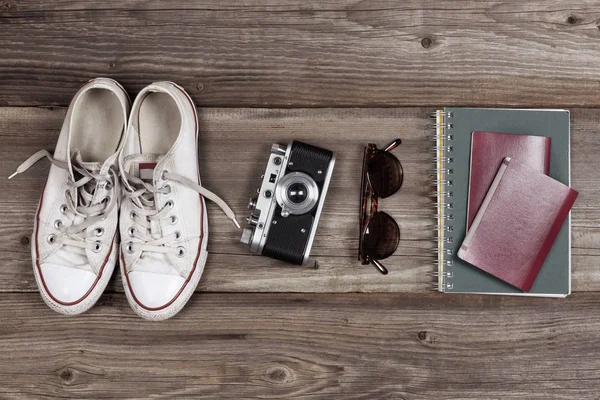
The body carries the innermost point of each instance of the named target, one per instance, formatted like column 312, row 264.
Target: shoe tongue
column 91, row 186
column 146, row 171
column 91, row 166
column 142, row 166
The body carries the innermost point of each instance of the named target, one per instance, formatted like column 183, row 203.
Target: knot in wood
column 279, row 374
column 67, row 376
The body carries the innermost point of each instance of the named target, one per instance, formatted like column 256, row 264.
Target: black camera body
column 285, row 214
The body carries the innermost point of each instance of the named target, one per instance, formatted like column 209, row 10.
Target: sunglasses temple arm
column 393, row 145
column 379, row 266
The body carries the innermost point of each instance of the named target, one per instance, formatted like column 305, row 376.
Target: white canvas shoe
column 74, row 242
column 163, row 222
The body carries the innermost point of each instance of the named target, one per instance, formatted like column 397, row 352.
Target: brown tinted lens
column 381, row 236
column 385, row 173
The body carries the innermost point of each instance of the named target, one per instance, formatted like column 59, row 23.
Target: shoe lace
column 147, row 214
column 79, row 209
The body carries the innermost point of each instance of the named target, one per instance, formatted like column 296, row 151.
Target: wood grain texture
column 317, row 346
column 295, row 55
column 233, row 148
column 306, row 54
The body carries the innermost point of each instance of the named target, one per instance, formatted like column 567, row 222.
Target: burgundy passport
column 517, row 224
column 488, row 149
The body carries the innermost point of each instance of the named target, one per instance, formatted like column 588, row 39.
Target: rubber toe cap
column 66, row 284
column 154, row 290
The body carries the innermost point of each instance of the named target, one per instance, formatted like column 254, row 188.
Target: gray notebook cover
column 554, row 278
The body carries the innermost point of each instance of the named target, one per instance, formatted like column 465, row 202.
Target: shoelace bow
column 78, row 208
column 146, row 212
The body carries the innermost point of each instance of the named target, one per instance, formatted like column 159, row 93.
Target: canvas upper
column 74, row 243
column 163, row 221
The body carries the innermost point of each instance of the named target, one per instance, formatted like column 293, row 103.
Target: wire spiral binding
column 441, row 180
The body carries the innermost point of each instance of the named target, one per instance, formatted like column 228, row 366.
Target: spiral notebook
column 453, row 130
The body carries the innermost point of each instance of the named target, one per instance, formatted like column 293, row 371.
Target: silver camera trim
column 288, row 207
column 313, row 231
column 266, row 205
column 256, row 235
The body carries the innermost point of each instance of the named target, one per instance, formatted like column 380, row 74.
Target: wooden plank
column 234, row 146
column 294, row 53
column 317, row 346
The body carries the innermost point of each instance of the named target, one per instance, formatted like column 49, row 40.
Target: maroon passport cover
column 488, row 149
column 517, row 224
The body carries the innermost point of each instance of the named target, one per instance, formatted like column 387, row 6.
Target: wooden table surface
column 336, row 73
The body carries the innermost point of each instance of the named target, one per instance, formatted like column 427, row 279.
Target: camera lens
column 297, row 193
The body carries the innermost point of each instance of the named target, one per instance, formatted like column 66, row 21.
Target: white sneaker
column 163, row 222
column 74, row 243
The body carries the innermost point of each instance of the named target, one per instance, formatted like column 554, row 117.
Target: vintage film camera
column 285, row 214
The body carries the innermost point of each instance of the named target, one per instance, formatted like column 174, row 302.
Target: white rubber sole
column 107, row 271
column 91, row 298
column 183, row 298
column 190, row 288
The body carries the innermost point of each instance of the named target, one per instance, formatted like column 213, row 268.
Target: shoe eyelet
column 108, row 185
column 63, row 208
column 180, row 251
column 131, row 231
column 99, row 231
column 129, row 247
column 177, row 234
column 170, row 203
column 97, row 247
column 51, row 239
column 162, row 175
column 173, row 219
column 106, row 200
column 168, row 188
column 133, row 215
column 58, row 224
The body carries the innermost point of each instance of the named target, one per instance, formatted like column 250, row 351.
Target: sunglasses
column 382, row 176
